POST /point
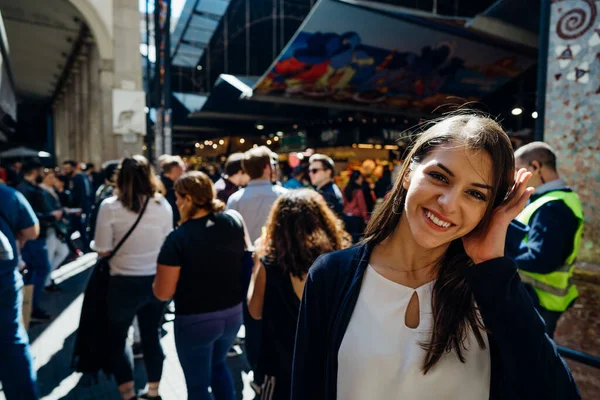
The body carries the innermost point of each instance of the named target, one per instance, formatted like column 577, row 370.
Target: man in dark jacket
column 81, row 197
column 234, row 177
column 35, row 252
column 544, row 239
column 321, row 177
column 106, row 190
column 173, row 167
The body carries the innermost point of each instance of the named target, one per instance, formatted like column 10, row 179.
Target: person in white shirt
column 133, row 267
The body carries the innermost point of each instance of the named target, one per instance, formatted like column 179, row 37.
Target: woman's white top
column 380, row 358
column 138, row 255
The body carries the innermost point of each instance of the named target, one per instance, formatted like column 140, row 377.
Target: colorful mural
column 573, row 107
column 384, row 61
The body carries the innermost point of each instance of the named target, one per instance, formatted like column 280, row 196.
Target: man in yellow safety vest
column 544, row 239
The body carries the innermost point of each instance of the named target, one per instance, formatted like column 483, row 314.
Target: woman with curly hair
column 200, row 267
column 299, row 229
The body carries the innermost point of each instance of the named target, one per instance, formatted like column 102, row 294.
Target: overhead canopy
column 23, row 152
column 228, row 101
column 390, row 60
column 196, row 25
column 42, row 35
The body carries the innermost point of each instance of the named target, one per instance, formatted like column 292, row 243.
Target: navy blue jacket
column 82, row 192
column 333, row 196
column 525, row 362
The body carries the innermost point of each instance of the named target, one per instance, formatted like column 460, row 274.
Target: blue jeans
column 202, row 342
column 35, row 255
column 16, row 368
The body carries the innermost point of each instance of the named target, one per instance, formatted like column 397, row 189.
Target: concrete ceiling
column 41, row 36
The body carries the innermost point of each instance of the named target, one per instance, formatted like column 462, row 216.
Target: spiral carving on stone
column 576, row 22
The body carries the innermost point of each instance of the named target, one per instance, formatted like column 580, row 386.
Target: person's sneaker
column 39, row 315
column 52, row 288
column 137, row 351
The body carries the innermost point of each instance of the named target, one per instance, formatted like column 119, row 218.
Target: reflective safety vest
column 555, row 290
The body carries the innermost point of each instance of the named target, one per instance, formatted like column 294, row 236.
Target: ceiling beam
column 65, row 76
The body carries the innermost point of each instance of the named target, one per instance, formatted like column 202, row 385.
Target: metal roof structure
column 198, row 22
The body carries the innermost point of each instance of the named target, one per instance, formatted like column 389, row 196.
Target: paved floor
column 52, row 346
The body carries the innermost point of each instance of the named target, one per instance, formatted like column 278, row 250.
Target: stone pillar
column 61, row 133
column 572, row 128
column 127, row 62
column 72, row 120
column 105, row 80
column 85, row 114
column 94, row 127
column 57, row 110
column 78, row 113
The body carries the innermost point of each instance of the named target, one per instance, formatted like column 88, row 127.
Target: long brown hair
column 135, row 182
column 200, row 188
column 454, row 310
column 299, row 229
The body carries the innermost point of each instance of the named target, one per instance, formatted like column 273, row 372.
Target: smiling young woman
column 427, row 306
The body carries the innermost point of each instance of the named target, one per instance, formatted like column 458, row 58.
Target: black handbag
column 91, row 352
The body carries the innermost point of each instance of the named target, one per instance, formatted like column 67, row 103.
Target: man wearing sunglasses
column 320, row 172
column 544, row 239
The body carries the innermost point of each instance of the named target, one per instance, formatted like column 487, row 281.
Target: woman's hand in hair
column 485, row 246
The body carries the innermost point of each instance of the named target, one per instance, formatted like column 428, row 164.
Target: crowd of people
column 417, row 298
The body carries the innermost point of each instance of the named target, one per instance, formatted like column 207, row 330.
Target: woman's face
column 182, row 202
column 50, row 179
column 447, row 194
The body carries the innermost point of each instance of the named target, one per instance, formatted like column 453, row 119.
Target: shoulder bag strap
column 130, row 231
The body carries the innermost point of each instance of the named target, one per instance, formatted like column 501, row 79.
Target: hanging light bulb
column 517, row 111
column 534, row 115
column 242, row 140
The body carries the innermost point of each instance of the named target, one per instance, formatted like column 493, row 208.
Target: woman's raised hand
column 490, row 244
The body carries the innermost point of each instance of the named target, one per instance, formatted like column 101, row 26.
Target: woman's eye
column 438, row 177
column 477, row 195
